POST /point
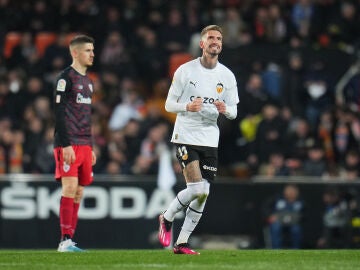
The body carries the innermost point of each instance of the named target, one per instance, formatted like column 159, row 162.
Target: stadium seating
column 177, row 59
column 43, row 40
column 11, row 40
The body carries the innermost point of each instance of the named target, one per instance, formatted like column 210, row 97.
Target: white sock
column 192, row 218
column 182, row 200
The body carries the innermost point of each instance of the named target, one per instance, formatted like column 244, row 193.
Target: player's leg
column 188, row 159
column 193, row 177
column 77, row 200
column 206, row 166
column 68, row 174
column 69, row 188
column 182, row 200
column 193, row 214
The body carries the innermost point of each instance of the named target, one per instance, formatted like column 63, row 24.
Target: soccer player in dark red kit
column 73, row 141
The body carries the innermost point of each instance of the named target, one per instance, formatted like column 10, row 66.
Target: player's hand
column 195, row 105
column 220, row 106
column 69, row 155
column 93, row 158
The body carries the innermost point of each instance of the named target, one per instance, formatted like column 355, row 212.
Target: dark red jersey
column 73, row 93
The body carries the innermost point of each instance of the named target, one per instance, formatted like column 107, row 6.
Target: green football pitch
column 165, row 259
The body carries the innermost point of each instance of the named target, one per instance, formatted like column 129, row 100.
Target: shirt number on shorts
column 183, row 153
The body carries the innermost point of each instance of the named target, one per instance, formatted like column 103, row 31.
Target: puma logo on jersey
column 193, row 83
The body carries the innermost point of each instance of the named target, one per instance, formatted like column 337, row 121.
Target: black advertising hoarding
column 123, row 213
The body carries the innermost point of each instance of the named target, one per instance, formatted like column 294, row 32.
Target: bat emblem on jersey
column 193, row 83
column 66, row 167
column 219, row 88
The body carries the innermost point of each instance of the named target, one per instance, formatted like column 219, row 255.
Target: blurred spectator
column 260, row 23
column 147, row 162
column 335, row 221
column 130, row 107
column 272, row 78
column 155, row 109
column 318, row 92
column 116, row 149
column 270, row 134
column 315, row 164
column 57, row 54
column 253, row 97
column 299, row 140
column 325, row 134
column 284, row 216
column 152, row 60
column 115, row 56
column 11, row 151
column 350, row 170
column 41, row 12
column 232, row 26
column 344, row 27
column 44, row 154
column 33, row 138
column 276, row 27
column 293, row 89
column 301, row 17
column 276, row 166
column 8, row 101
column 22, row 53
column 174, row 35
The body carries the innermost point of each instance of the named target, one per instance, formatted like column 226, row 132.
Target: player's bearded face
column 213, row 43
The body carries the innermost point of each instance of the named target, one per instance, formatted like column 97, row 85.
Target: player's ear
column 201, row 44
column 74, row 52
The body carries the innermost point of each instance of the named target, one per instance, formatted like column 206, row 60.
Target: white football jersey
column 193, row 80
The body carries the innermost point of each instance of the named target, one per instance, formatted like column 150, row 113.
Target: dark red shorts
column 81, row 168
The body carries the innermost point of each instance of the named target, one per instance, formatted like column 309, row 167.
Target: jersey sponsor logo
column 81, row 99
column 61, row 85
column 206, row 100
column 209, row 168
column 219, row 88
column 66, row 167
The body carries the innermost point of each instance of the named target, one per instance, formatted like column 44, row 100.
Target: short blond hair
column 211, row 28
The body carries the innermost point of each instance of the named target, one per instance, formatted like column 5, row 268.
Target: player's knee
column 200, row 190
column 69, row 191
column 205, row 192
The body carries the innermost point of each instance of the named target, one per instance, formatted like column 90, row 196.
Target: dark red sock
column 74, row 218
column 66, row 215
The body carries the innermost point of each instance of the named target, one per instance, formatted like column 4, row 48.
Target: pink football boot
column 164, row 231
column 184, row 249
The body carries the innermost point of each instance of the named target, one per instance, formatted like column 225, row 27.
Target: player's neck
column 79, row 68
column 208, row 61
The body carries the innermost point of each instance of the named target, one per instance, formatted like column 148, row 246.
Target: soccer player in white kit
column 200, row 90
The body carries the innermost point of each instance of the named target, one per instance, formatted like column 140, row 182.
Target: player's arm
column 228, row 106
column 230, row 111
column 172, row 104
column 62, row 87
column 176, row 90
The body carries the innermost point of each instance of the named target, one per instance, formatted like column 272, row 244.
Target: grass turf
column 165, row 259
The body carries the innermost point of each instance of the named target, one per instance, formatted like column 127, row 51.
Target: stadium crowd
column 293, row 119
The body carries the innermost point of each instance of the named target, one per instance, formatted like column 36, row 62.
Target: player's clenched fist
column 195, row 105
column 220, row 106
